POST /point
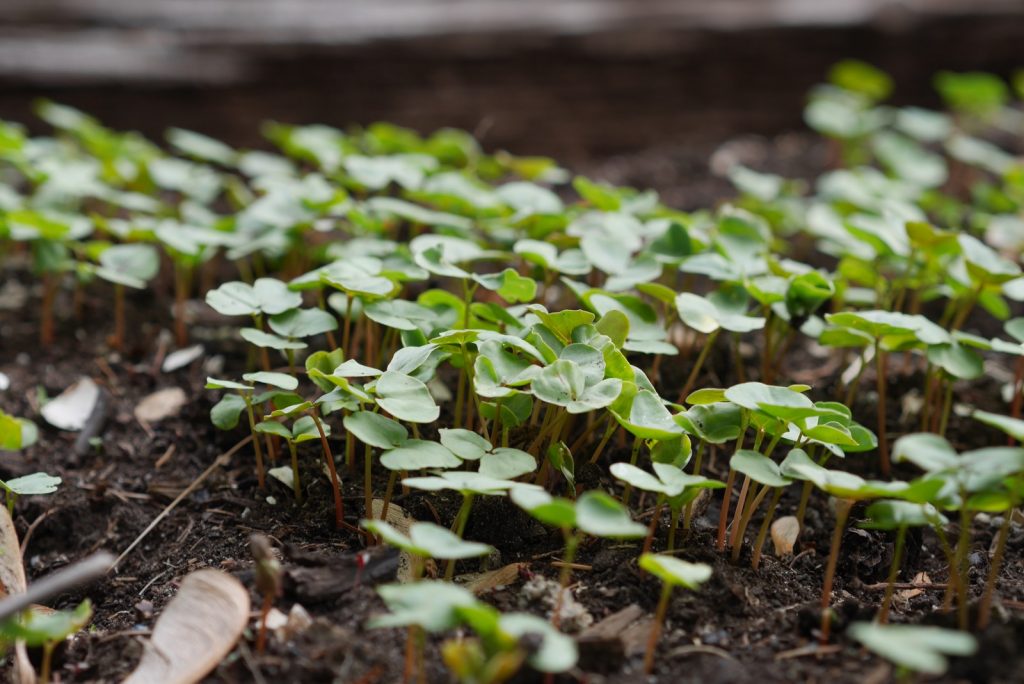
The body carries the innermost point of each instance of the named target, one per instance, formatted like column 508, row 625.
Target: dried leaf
column 489, row 581
column 920, row 578
column 785, row 532
column 160, row 404
column 197, row 629
column 71, row 408
column 12, row 581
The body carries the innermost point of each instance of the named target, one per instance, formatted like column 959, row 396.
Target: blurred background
column 639, row 91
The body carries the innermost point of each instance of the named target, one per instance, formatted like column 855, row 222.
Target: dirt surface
column 743, row 625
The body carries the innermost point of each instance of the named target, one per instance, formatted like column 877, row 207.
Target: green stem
column 985, row 608
column 458, row 528
column 339, row 506
column 255, row 441
column 755, row 560
column 609, row 431
column 894, row 571
column 296, row 482
column 962, row 561
column 843, row 507
column 634, row 455
column 659, row 622
column 368, row 482
column 708, row 343
column 883, row 442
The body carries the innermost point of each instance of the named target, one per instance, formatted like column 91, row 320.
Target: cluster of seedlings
column 428, row 315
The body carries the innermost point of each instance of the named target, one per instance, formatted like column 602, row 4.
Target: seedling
column 46, row 628
column 132, row 265
column 594, row 513
column 898, row 516
column 304, row 429
column 914, row 648
column 268, row 582
column 468, row 484
column 426, row 540
column 673, row 572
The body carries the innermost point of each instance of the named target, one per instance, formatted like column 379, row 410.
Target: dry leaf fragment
column 12, row 581
column 921, row 578
column 181, row 358
column 160, row 404
column 197, row 629
column 785, row 532
column 70, row 409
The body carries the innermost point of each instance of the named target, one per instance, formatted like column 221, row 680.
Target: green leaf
column 600, row 515
column 303, row 323
column 704, row 316
column 38, row 627
column 615, row 325
column 891, row 515
column 406, row 398
column 560, row 383
column 281, row 380
column 547, row 509
column 758, row 468
column 226, row 412
column 557, row 652
column 267, row 295
column 263, row 339
column 465, row 444
column 929, row 452
column 509, row 285
column 914, row 647
column 1014, row 427
column 272, row 427
column 36, row 483
column 428, row 604
column 505, row 463
column 376, row 430
column 675, row 571
column 418, row 454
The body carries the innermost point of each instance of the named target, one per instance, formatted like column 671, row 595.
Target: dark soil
column 743, row 625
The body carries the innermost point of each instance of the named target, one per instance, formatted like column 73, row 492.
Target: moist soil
column 743, row 625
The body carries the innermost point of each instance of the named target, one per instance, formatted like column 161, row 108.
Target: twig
column 905, row 585
column 82, row 572
column 217, row 463
column 34, row 525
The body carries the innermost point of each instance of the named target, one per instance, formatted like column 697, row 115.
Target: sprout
column 914, row 648
column 46, row 628
column 898, row 515
column 672, row 572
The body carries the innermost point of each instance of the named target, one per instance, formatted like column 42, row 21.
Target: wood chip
column 488, row 581
column 197, row 629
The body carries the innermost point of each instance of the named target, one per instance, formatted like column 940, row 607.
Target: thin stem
column 346, row 333
column 894, row 571
column 653, row 527
column 255, row 442
column 296, row 482
column 985, row 607
column 458, row 528
column 46, row 666
column 692, row 378
column 261, row 637
column 883, row 443
column 762, row 534
column 659, row 621
column 46, row 327
column 634, row 455
column 723, row 516
column 962, row 561
column 609, row 431
column 572, row 542
column 118, row 341
column 339, row 506
column 843, row 507
column 745, row 521
column 387, row 494
column 697, row 463
column 947, row 406
column 673, row 523
column 181, row 288
column 368, row 482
